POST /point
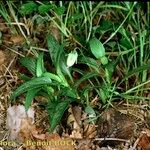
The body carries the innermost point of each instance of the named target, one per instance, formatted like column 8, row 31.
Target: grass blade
column 90, row 62
column 85, row 77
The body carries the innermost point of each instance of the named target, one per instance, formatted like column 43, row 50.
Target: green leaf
column 48, row 89
column 29, row 97
column 137, row 70
column 57, row 55
column 104, row 27
column 24, row 77
column 61, row 76
column 28, row 8
column 109, row 69
column 65, row 70
column 85, row 77
column 75, row 17
column 104, row 93
column 59, row 10
column 65, row 91
column 104, row 60
column 125, row 40
column 56, row 51
column 125, row 43
column 40, row 65
column 44, row 8
column 32, row 84
column 29, row 63
column 56, row 110
column 52, row 76
column 97, row 48
column 53, row 48
column 90, row 62
column 91, row 113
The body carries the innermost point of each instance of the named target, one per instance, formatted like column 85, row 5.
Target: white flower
column 72, row 58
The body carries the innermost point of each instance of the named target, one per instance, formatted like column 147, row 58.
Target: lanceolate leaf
column 29, row 63
column 109, row 69
column 24, row 77
column 32, row 84
column 53, row 48
column 90, row 62
column 56, row 52
column 29, row 97
column 56, row 110
column 61, row 76
column 86, row 77
column 69, row 92
column 40, row 65
column 52, row 76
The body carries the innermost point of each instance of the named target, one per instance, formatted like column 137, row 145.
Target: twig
column 7, row 68
column 111, row 139
column 13, row 50
column 135, row 144
column 19, row 23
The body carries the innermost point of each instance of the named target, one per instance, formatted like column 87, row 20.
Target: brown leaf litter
column 144, row 140
column 34, row 140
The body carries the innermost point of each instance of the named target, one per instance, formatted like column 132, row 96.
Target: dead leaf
column 84, row 144
column 76, row 111
column 3, row 27
column 55, row 142
column 74, row 118
column 17, row 39
column 27, row 129
column 73, row 121
column 29, row 133
column 146, row 131
column 90, row 131
column 2, row 57
column 76, row 134
column 55, row 32
column 144, row 142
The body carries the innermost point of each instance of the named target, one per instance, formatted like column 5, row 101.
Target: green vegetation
column 108, row 42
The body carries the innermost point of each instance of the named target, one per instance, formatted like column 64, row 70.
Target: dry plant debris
column 2, row 58
column 17, row 39
column 33, row 139
column 144, row 140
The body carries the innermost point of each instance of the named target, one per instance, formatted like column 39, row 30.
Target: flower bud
column 104, row 60
column 72, row 58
